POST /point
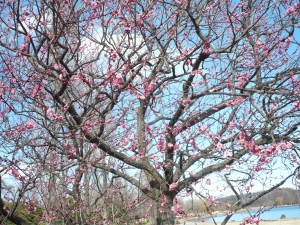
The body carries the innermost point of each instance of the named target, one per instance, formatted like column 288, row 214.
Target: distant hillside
column 280, row 196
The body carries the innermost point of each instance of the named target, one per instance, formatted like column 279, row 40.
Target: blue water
column 272, row 214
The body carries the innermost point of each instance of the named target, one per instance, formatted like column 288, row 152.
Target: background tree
column 175, row 90
column 278, row 200
column 194, row 207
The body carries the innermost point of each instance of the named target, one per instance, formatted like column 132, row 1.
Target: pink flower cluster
column 251, row 220
column 173, row 186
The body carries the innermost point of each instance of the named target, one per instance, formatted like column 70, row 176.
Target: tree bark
column 164, row 215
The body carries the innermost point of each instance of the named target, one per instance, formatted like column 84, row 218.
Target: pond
column 271, row 214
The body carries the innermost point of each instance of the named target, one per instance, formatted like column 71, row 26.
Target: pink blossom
column 163, row 201
column 15, row 173
column 30, row 124
column 173, row 209
column 94, row 5
column 296, row 105
column 243, row 14
column 207, row 51
column 67, row 146
column 173, row 186
column 293, row 156
column 185, row 53
column 35, row 90
column 51, row 114
column 188, row 62
column 208, row 181
column 230, row 213
column 252, row 220
column 227, row 154
column 229, row 86
column 23, row 47
column 27, row 39
column 158, row 165
column 186, row 101
column 203, row 128
column 210, row 200
column 289, row 10
column 56, row 66
column 255, row 219
column 258, row 42
column 66, row 107
column 127, row 29
column 138, row 21
column 195, row 72
column 228, row 167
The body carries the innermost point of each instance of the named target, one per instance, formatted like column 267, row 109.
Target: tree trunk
column 105, row 187
column 163, row 214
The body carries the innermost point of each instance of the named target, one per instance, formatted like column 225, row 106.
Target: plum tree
column 156, row 94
